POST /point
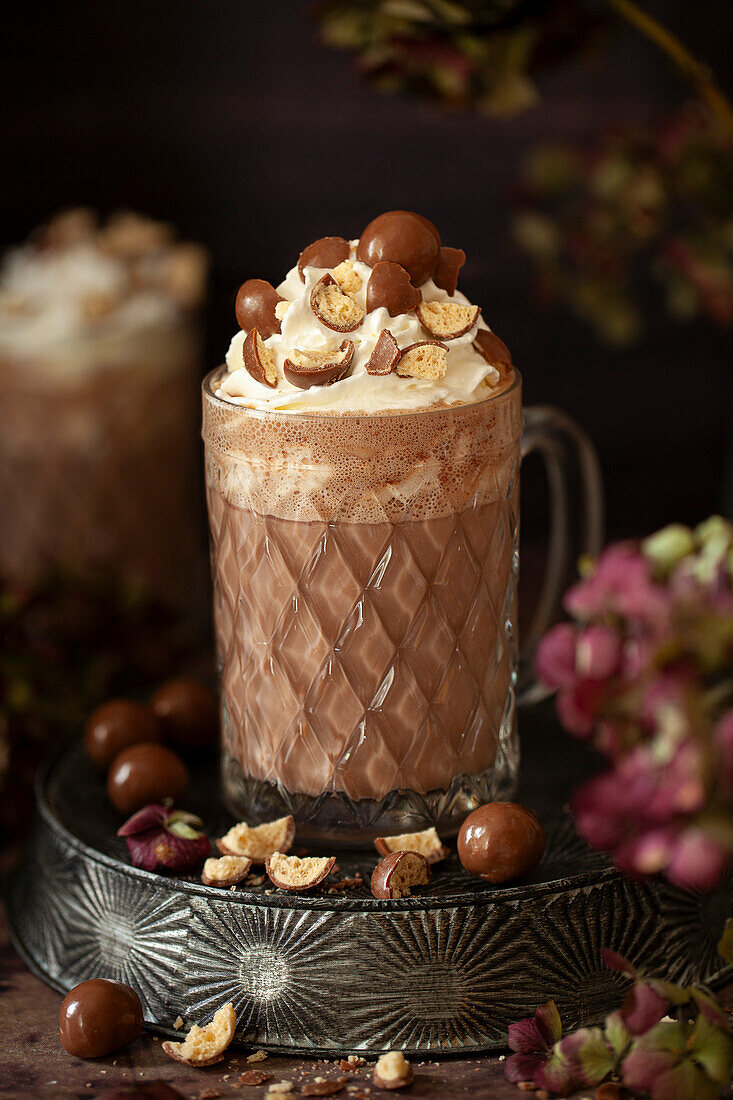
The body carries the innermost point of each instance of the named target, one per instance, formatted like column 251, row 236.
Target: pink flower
column 723, row 740
column 597, row 813
column 577, row 709
column 620, row 585
column 648, row 854
column 555, row 660
column 532, row 1040
column 697, row 862
column 645, row 673
column 643, row 1007
column 598, row 653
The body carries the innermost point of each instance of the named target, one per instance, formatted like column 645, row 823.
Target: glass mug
column 365, row 598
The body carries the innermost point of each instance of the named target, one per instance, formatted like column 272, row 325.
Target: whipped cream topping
column 47, row 298
column 98, row 285
column 468, row 377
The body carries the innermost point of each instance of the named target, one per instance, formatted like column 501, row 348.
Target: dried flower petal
column 642, row 1008
column 157, row 837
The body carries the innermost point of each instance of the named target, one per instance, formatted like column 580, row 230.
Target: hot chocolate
column 364, row 559
column 99, row 349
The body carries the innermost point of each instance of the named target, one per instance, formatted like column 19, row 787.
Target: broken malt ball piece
column 334, row 309
column 225, row 871
column 255, row 307
column 494, row 351
column 426, row 359
column 501, row 842
column 115, row 726
column 257, row 842
column 427, row 844
column 347, row 277
column 204, row 1046
column 447, row 320
column 294, row 873
column 392, row 1071
column 396, row 874
column 450, row 262
column 405, row 238
column 389, row 286
column 326, row 252
column 258, row 360
column 318, row 368
column 386, row 354
column 98, row 1017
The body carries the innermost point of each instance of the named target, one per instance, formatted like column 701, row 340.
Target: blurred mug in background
column 100, row 341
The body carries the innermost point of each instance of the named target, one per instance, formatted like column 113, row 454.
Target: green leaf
column 685, row 1082
column 596, row 1060
column 674, row 994
column 667, row 1035
column 183, row 830
column 668, row 546
column 710, row 1007
column 548, row 1018
column 725, row 947
column 617, row 1034
column 713, row 1050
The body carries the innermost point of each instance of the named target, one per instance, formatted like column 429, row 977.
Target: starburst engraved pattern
column 444, row 970
column 446, row 977
column 566, row 854
column 279, row 967
column 115, row 926
column 38, row 905
column 693, row 924
column 569, row 930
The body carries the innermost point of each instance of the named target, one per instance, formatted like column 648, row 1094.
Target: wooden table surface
column 33, row 1063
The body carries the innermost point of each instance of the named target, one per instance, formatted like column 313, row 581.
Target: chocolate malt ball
column 99, row 1017
column 255, row 307
column 115, row 726
column 500, row 842
column 188, row 714
column 143, row 774
column 403, row 238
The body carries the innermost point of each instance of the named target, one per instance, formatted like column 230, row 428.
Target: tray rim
column 468, row 898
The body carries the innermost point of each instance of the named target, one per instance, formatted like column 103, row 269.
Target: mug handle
column 551, row 433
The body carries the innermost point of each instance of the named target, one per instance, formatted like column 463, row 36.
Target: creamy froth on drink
column 363, row 536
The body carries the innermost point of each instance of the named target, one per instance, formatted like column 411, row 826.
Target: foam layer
column 368, row 469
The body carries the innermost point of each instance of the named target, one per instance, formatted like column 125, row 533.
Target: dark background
column 229, row 119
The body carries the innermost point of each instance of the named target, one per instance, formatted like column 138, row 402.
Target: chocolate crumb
column 258, row 1056
column 254, row 1077
column 322, row 1087
column 346, row 884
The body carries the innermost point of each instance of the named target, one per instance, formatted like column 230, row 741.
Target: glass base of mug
column 337, row 821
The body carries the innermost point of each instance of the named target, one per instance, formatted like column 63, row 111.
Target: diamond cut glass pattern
column 365, row 636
